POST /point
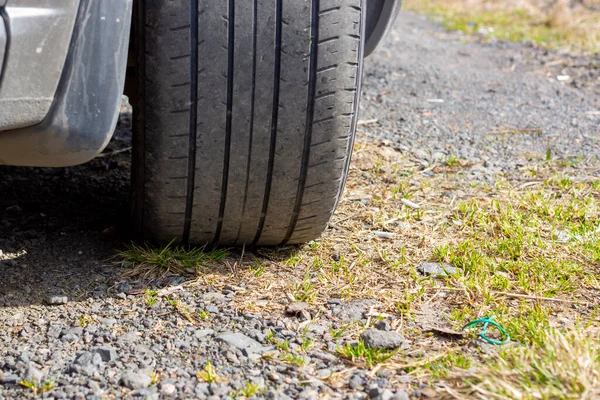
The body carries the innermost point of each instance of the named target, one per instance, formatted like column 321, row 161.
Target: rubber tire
column 245, row 117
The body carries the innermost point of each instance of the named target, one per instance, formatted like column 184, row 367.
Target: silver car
column 244, row 110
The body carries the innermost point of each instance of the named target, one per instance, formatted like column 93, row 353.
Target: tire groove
column 230, row 59
column 251, row 131
column 189, row 204
column 310, row 113
column 274, row 118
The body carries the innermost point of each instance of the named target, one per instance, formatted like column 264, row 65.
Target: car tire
column 244, row 117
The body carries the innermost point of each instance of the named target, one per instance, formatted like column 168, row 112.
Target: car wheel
column 244, row 118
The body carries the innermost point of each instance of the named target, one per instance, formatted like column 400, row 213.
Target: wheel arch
column 380, row 16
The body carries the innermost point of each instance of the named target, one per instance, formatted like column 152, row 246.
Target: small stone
column 200, row 333
column 241, row 342
column 108, row 321
column 376, row 392
column 57, row 300
column 273, row 376
column 168, row 389
column 383, row 325
column 135, row 380
column 296, row 307
column 436, row 269
column 213, row 296
column 400, row 395
column 429, row 392
column 107, row 354
column 212, row 309
column 377, row 339
column 354, row 310
column 202, row 390
column 356, row 382
column 87, row 363
column 8, row 379
column 33, row 374
column 324, row 373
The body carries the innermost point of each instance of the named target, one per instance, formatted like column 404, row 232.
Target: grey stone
column 107, row 354
column 380, row 394
column 87, row 363
column 212, row 309
column 383, row 325
column 54, row 331
column 33, row 374
column 200, row 333
column 202, row 389
column 9, row 379
column 213, row 296
column 436, row 269
column 296, row 307
column 377, row 339
column 135, row 380
column 108, row 321
column 400, row 395
column 241, row 342
column 356, row 382
column 168, row 389
column 354, row 310
column 324, row 373
column 57, row 300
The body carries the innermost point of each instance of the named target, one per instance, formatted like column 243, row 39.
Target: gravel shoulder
column 71, row 318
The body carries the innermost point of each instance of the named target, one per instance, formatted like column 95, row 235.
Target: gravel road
column 67, row 314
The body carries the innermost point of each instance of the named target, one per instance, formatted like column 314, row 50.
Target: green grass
column 561, row 365
column 359, row 352
column 208, row 374
column 555, row 28
column 31, row 385
column 149, row 262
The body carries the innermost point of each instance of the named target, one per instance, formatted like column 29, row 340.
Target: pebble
column 135, row 380
column 377, row 339
column 240, row 341
column 168, row 389
column 108, row 354
column 436, row 269
column 57, row 300
column 354, row 310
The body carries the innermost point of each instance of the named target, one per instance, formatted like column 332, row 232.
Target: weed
column 339, row 333
column 47, row 386
column 208, row 374
column 147, row 261
column 360, row 352
column 250, row 390
column 150, row 296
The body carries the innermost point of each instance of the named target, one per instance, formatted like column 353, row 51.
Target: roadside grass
column 146, row 261
column 526, row 246
column 554, row 24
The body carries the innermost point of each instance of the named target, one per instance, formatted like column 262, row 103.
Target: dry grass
column 574, row 25
column 528, row 250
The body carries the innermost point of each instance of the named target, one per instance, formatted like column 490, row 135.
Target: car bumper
column 85, row 108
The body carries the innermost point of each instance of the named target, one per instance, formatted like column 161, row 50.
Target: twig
column 367, row 121
column 112, row 153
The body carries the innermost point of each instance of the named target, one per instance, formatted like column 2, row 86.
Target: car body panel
column 3, row 40
column 87, row 102
column 39, row 33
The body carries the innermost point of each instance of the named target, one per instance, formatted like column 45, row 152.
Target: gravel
column 68, row 314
